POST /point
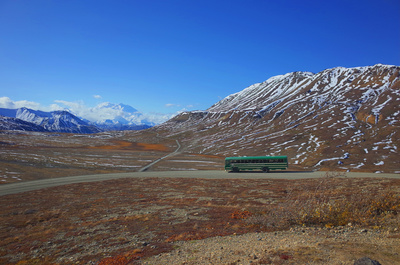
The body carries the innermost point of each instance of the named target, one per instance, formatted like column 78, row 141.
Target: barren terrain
column 333, row 219
column 185, row 218
column 28, row 156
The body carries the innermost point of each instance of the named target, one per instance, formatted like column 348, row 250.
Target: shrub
column 356, row 209
column 321, row 204
column 238, row 214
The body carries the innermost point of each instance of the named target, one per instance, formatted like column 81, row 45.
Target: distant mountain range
column 122, row 118
column 115, row 116
column 14, row 124
column 340, row 118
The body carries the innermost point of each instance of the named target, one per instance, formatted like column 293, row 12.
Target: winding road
column 158, row 160
column 19, row 187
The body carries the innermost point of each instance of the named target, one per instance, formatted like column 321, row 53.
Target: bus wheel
column 265, row 169
column 235, row 169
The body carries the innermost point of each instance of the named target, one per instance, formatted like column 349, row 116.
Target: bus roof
column 255, row 157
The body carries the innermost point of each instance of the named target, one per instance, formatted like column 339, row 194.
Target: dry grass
column 122, row 221
column 333, row 200
column 26, row 156
column 31, row 156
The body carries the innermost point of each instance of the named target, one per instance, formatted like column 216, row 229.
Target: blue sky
column 165, row 56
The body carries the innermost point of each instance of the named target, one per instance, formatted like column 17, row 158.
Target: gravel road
column 13, row 188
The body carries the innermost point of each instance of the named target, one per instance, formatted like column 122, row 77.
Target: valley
column 341, row 119
column 26, row 156
column 184, row 209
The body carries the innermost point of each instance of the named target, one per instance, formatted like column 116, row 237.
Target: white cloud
column 77, row 105
column 54, row 107
column 79, row 108
column 6, row 102
column 158, row 118
column 107, row 111
column 97, row 96
column 103, row 112
column 170, row 105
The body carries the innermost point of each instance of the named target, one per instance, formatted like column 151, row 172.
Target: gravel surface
column 341, row 245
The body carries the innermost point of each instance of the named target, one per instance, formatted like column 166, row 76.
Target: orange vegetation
column 123, row 259
column 129, row 220
column 238, row 214
column 125, row 145
column 153, row 147
column 371, row 119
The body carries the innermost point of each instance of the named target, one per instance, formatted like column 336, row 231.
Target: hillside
column 14, row 124
column 338, row 119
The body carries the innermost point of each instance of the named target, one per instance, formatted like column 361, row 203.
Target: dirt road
column 13, row 188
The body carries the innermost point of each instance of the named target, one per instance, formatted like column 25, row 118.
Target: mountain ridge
column 104, row 117
column 36, row 120
column 14, row 124
column 340, row 118
column 303, row 79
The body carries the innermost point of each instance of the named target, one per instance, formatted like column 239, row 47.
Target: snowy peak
column 119, row 114
column 127, row 108
column 279, row 88
column 12, row 124
column 261, row 94
column 337, row 119
column 56, row 121
column 34, row 116
column 112, row 117
column 118, row 107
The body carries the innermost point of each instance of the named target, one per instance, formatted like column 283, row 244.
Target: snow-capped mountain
column 340, row 118
column 119, row 116
column 56, row 121
column 12, row 124
column 337, row 83
column 104, row 117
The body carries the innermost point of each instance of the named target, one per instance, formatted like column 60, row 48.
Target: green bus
column 264, row 163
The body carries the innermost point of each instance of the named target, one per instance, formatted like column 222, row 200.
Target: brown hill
column 338, row 119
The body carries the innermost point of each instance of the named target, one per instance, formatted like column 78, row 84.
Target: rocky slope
column 338, row 119
column 14, row 124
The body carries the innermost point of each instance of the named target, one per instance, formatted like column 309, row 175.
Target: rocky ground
column 340, row 245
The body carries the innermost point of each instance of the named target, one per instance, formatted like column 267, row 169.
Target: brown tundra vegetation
column 136, row 220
